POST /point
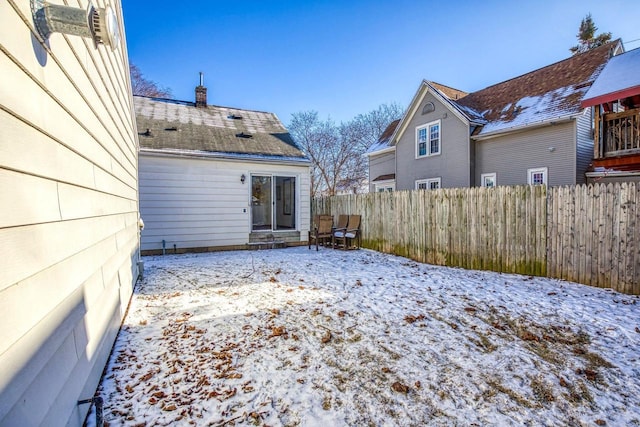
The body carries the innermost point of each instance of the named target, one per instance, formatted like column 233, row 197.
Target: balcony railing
column 621, row 132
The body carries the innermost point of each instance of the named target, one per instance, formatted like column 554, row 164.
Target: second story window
column 428, row 139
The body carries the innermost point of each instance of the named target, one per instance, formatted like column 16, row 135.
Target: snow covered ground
column 296, row 337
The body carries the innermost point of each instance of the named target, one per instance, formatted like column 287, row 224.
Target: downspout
column 99, row 403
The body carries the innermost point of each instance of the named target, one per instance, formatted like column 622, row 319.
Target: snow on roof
column 533, row 109
column 621, row 73
column 551, row 92
column 177, row 125
column 385, row 139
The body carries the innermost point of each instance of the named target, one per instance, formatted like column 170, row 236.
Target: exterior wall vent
column 98, row 24
column 428, row 108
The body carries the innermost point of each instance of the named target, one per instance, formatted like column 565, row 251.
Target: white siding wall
column 68, row 222
column 201, row 203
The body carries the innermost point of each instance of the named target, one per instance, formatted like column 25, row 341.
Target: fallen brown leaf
column 399, row 387
column 277, row 331
column 411, row 319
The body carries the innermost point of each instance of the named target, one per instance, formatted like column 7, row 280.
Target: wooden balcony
column 620, row 133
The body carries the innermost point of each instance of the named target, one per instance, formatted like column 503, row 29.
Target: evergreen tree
column 587, row 38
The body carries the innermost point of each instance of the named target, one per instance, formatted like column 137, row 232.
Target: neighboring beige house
column 215, row 178
column 69, row 218
column 527, row 130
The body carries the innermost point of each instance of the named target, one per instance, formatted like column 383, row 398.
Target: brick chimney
column 201, row 93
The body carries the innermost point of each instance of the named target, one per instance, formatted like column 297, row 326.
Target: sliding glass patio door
column 273, row 203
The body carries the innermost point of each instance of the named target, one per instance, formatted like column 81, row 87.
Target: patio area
column 297, row 337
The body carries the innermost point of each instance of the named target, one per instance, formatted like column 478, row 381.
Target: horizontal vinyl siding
column 382, row 164
column 584, row 146
column 193, row 203
column 452, row 165
column 511, row 155
column 68, row 227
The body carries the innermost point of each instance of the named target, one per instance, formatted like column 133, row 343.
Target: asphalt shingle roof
column 165, row 124
column 550, row 92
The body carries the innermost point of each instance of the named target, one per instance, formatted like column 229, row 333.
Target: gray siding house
column 215, row 178
column 527, row 130
column 382, row 162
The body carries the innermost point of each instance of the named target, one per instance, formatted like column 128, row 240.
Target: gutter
column 383, row 151
column 226, row 156
column 610, row 173
column 530, row 125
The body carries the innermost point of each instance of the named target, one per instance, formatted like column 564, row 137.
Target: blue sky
column 343, row 58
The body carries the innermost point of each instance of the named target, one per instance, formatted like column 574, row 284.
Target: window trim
column 427, row 183
column 385, row 186
column 484, row 176
column 532, row 171
column 428, row 127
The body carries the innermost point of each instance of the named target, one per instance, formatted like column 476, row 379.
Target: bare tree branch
column 145, row 87
column 337, row 151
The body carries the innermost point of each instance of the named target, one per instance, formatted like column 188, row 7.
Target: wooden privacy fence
column 589, row 234
column 593, row 235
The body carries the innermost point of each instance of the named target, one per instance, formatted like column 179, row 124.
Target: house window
column 422, row 142
column 434, row 139
column 428, row 139
column 537, row 176
column 273, row 202
column 488, row 180
column 383, row 188
column 428, row 184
